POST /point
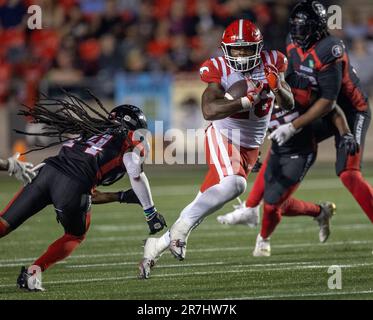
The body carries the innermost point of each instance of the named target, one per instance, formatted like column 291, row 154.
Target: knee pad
column 237, row 184
column 4, row 228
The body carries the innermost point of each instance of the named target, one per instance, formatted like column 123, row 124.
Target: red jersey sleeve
column 281, row 62
column 209, row 73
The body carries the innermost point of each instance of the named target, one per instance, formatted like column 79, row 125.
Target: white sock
column 213, row 199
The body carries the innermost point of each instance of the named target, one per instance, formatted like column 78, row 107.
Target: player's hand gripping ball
column 272, row 77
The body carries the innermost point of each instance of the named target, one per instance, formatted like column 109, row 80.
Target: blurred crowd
column 94, row 39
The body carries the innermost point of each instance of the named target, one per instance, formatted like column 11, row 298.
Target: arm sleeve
column 138, row 179
column 330, row 81
column 141, row 188
column 209, row 73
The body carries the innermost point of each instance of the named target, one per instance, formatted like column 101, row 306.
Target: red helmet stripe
column 240, row 29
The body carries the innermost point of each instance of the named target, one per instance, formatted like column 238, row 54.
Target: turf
column 219, row 264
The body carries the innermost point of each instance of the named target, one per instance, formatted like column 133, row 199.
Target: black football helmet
column 308, row 23
column 131, row 117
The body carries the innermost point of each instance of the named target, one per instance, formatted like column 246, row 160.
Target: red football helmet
column 242, row 34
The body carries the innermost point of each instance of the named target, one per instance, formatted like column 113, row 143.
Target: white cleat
column 328, row 210
column 241, row 215
column 178, row 249
column 179, row 234
column 152, row 252
column 262, row 247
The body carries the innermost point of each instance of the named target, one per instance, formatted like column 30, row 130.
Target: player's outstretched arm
column 347, row 142
column 340, row 122
column 128, row 196
column 141, row 187
column 320, row 108
column 215, row 106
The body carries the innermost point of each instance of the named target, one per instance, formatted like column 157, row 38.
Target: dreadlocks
column 64, row 118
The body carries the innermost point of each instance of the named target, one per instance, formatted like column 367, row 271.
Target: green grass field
column 219, row 263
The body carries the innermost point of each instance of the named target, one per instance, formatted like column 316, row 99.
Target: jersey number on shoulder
column 95, row 144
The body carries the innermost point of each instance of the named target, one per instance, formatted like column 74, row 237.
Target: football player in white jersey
column 238, row 127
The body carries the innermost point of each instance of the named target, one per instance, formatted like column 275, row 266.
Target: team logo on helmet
column 256, row 33
column 318, row 8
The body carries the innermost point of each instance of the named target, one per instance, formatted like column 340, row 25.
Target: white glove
column 283, row 133
column 21, row 170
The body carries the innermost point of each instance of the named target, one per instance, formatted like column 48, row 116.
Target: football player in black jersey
column 322, row 62
column 110, row 144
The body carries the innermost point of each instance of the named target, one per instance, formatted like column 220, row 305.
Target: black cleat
column 27, row 281
column 156, row 223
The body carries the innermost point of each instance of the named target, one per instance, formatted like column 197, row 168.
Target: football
column 239, row 89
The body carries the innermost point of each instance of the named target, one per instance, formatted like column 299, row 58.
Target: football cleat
column 328, row 210
column 262, row 247
column 178, row 249
column 156, row 223
column 153, row 249
column 145, row 267
column 28, row 281
column 179, row 234
column 241, row 215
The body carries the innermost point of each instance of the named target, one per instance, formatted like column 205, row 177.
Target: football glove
column 272, row 77
column 349, row 144
column 156, row 222
column 21, row 170
column 283, row 133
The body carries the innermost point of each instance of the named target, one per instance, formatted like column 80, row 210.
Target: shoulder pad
column 330, row 49
column 209, row 72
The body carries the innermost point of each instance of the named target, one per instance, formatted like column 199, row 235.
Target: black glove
column 349, row 144
column 257, row 164
column 128, row 196
column 156, row 222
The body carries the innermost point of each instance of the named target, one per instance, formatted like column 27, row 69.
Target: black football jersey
column 97, row 161
column 327, row 67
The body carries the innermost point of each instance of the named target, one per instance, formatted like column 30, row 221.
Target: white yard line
column 136, row 263
column 216, row 249
column 304, row 295
column 202, row 273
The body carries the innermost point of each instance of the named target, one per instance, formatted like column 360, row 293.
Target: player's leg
column 225, row 180
column 282, row 177
column 322, row 213
column 231, row 164
column 27, row 202
column 72, row 203
column 348, row 167
column 247, row 212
